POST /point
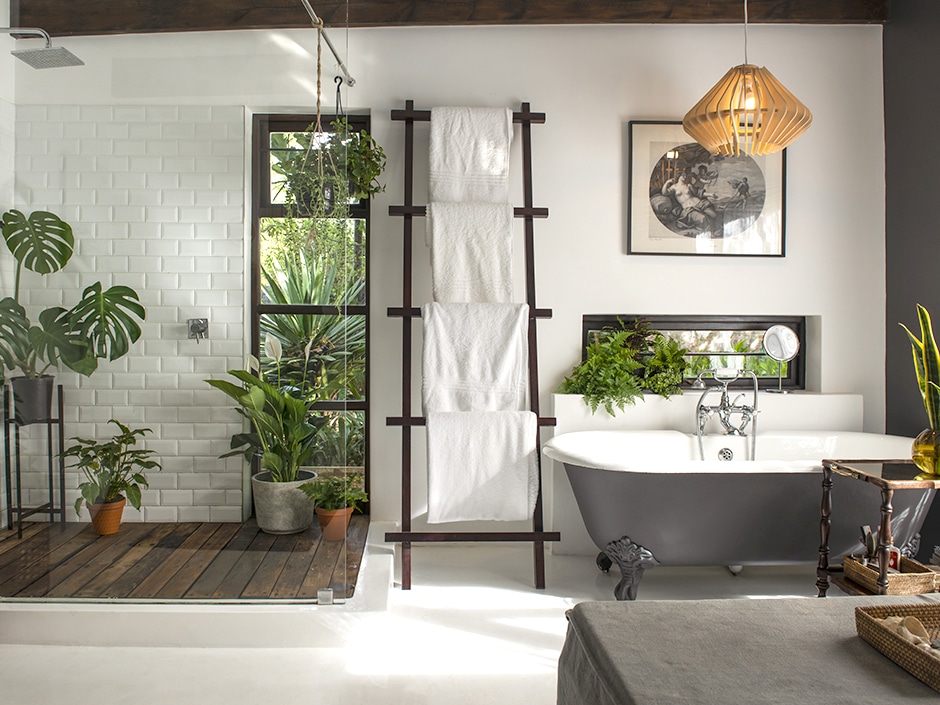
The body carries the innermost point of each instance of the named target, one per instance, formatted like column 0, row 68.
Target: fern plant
column 621, row 364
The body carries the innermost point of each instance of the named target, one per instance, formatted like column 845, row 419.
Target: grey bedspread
column 729, row 652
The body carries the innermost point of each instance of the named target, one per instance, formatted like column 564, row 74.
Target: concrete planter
column 280, row 507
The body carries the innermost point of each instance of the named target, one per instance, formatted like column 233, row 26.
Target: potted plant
column 925, row 451
column 621, row 364
column 335, row 497
column 101, row 325
column 114, row 475
column 282, row 437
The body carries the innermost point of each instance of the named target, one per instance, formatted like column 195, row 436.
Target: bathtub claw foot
column 633, row 560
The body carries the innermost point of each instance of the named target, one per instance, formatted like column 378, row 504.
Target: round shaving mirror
column 781, row 344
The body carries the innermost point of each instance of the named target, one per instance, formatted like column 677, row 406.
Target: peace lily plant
column 926, row 448
column 281, row 434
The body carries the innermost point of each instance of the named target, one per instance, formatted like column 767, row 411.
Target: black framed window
column 309, row 281
column 716, row 342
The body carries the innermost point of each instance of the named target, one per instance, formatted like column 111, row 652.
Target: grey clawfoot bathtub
column 646, row 498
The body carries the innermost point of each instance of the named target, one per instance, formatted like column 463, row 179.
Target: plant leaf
column 106, row 319
column 43, row 242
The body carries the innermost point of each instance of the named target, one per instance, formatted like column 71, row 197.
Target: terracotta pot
column 334, row 522
column 106, row 518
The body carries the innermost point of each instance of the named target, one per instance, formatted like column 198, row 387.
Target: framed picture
column 683, row 200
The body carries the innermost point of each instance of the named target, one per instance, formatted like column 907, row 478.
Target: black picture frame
column 682, row 200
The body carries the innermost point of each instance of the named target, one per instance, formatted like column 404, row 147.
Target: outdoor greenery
column 101, row 325
column 332, row 492
column 623, row 363
column 112, row 469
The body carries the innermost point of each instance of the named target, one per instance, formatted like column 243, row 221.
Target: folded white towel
column 482, row 465
column 475, row 357
column 471, row 252
column 469, row 155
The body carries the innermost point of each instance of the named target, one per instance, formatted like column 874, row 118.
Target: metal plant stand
column 13, row 465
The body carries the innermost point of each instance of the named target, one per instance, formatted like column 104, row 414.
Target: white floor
column 471, row 630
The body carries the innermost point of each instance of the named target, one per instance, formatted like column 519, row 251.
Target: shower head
column 47, row 57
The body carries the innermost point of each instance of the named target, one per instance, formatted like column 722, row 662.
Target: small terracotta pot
column 106, row 518
column 334, row 522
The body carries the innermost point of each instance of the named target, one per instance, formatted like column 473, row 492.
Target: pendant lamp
column 747, row 112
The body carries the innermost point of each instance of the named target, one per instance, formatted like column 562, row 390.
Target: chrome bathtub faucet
column 726, row 408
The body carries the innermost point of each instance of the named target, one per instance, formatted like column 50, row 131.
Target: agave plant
column 101, row 325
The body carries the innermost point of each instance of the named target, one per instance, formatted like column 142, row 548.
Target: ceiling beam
column 93, row 17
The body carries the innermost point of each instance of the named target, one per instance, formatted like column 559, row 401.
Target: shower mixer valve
column 198, row 328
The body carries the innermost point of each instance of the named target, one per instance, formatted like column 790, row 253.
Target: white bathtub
column 650, row 486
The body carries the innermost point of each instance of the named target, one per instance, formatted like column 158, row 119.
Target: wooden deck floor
column 188, row 561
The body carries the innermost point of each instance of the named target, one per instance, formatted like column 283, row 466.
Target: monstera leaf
column 14, row 333
column 55, row 340
column 105, row 319
column 42, row 243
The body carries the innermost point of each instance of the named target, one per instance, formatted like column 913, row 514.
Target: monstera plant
column 101, row 325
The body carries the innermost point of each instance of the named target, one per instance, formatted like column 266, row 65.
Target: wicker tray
column 914, row 578
column 921, row 664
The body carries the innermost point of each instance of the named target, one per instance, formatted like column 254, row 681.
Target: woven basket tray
column 921, row 664
column 914, row 578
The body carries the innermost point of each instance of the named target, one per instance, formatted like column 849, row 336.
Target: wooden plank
column 188, row 574
column 36, row 567
column 38, row 545
column 295, row 571
column 262, row 582
column 237, row 578
column 97, row 587
column 83, row 565
column 149, row 562
column 92, row 17
column 9, row 540
column 346, row 573
column 192, row 540
column 321, row 569
column 215, row 573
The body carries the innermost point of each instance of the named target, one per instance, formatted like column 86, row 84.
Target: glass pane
column 318, row 261
column 332, row 368
column 739, row 349
column 340, row 440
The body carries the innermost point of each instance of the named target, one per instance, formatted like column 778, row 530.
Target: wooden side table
column 889, row 475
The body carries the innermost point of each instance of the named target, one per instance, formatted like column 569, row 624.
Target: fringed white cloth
column 469, row 155
column 475, row 357
column 471, row 252
column 482, row 466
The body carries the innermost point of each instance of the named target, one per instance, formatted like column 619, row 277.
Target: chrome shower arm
column 29, row 30
column 317, row 22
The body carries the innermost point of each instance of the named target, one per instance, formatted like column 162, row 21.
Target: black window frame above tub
column 794, row 379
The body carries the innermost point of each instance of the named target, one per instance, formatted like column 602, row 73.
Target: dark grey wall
column 912, row 207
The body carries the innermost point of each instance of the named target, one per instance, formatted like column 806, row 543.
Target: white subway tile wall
column 156, row 199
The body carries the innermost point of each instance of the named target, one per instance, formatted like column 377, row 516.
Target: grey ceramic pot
column 281, row 508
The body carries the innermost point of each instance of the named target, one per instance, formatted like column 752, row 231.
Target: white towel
column 475, row 357
column 471, row 252
column 469, row 155
column 482, row 466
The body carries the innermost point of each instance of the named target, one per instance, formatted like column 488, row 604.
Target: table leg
column 825, row 524
column 885, row 539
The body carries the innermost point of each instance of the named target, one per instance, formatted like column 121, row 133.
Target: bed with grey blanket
column 729, row 652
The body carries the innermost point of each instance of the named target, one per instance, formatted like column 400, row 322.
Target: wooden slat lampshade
column 747, row 112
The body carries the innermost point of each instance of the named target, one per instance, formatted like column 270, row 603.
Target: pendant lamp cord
column 745, row 31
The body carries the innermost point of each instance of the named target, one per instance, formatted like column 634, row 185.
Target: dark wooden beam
column 93, row 17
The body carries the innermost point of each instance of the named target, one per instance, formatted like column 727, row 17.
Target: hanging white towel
column 469, row 155
column 482, row 466
column 475, row 357
column 471, row 252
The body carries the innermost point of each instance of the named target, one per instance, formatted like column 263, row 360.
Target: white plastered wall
column 589, row 81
